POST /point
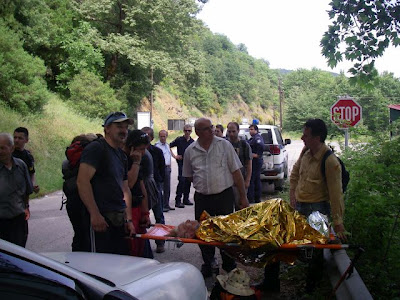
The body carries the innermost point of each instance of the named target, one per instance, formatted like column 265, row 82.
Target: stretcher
column 160, row 232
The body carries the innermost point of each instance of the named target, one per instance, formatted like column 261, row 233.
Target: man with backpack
column 311, row 190
column 103, row 187
column 243, row 150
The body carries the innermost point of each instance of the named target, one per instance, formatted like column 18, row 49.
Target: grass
column 50, row 132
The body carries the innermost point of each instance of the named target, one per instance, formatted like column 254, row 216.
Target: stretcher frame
column 159, row 232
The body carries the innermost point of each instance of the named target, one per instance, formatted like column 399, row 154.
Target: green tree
column 92, row 97
column 367, row 28
column 80, row 54
column 44, row 25
column 22, row 86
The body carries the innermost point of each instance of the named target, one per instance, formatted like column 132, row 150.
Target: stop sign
column 346, row 112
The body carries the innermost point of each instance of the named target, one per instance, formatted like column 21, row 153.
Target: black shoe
column 228, row 267
column 179, row 205
column 257, row 201
column 187, row 202
column 171, row 208
column 166, row 209
column 206, row 270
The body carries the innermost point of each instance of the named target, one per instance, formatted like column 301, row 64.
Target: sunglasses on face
column 187, row 130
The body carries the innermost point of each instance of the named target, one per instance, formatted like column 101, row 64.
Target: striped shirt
column 211, row 170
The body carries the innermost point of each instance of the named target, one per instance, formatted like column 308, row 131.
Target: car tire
column 268, row 187
column 279, row 184
column 286, row 170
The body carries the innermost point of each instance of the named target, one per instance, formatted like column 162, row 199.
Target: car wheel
column 279, row 184
column 268, row 187
column 286, row 170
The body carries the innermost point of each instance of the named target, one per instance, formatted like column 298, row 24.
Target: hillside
column 167, row 106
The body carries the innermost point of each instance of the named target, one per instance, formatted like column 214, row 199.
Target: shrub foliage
column 372, row 214
column 92, row 97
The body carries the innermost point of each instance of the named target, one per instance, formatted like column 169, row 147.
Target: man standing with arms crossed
column 181, row 143
column 213, row 166
column 103, row 187
column 166, row 186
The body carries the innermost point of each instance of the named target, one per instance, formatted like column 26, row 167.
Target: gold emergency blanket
column 261, row 228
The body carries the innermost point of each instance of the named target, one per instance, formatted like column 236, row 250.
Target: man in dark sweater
column 181, row 143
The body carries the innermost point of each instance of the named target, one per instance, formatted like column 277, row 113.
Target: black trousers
column 14, row 230
column 216, row 204
column 80, row 220
column 183, row 187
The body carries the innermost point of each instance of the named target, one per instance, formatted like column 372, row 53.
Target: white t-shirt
column 211, row 170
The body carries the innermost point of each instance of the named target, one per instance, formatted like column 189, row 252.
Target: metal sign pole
column 346, row 138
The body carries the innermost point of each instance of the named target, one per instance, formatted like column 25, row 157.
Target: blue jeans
column 316, row 265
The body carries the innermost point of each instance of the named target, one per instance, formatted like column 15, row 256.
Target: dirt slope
column 167, row 106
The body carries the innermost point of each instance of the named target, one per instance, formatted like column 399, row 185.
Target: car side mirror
column 288, row 141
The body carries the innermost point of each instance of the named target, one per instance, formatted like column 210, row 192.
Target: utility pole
column 280, row 102
column 151, row 97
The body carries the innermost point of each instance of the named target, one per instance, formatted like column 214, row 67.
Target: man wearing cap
column 103, row 187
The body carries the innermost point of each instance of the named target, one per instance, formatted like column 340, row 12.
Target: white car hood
column 140, row 277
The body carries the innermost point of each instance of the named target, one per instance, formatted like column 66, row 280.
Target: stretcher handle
column 316, row 246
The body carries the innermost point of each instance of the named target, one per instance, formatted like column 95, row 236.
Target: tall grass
column 50, row 132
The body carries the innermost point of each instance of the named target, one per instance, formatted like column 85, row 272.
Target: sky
column 285, row 33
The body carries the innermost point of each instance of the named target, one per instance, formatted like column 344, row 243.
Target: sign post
column 345, row 113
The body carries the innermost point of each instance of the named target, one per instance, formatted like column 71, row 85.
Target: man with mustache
column 103, row 187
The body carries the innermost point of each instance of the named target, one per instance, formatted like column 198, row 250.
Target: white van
column 275, row 167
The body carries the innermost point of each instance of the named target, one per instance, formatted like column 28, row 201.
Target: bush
column 372, row 214
column 92, row 97
column 22, row 86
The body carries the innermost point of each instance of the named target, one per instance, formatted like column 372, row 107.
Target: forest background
column 65, row 64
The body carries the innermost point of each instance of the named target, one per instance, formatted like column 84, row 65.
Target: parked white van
column 275, row 166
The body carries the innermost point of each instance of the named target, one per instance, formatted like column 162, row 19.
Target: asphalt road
column 51, row 231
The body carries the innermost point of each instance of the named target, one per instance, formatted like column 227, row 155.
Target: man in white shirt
column 213, row 166
column 166, row 188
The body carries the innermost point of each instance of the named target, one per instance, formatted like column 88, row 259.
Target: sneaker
column 179, row 205
column 171, row 208
column 160, row 249
column 166, row 209
column 187, row 202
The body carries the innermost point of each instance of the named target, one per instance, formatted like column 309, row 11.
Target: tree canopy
column 366, row 28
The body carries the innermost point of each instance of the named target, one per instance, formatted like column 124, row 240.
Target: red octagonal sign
column 346, row 112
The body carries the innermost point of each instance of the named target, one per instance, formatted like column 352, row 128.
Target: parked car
column 77, row 275
column 275, row 167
